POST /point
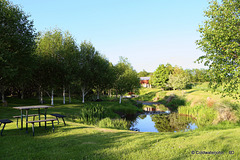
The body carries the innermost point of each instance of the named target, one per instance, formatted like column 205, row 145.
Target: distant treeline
column 169, row 77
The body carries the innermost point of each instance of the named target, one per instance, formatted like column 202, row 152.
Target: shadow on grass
column 192, row 91
column 174, row 103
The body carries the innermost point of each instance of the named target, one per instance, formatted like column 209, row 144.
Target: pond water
column 154, row 120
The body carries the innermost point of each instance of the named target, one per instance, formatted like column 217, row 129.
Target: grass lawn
column 79, row 141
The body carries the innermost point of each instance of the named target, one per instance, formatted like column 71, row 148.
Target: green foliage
column 114, row 123
column 147, row 94
column 161, row 76
column 16, row 46
column 127, row 79
column 178, row 79
column 198, row 75
column 220, row 42
column 204, row 115
column 91, row 114
column 143, row 74
column 175, row 102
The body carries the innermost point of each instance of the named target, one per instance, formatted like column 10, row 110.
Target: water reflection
column 162, row 122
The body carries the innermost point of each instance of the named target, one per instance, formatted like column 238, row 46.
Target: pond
column 160, row 119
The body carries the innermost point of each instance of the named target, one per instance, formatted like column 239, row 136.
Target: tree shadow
column 173, row 102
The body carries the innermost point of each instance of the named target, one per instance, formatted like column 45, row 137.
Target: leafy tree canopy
column 220, row 41
column 17, row 42
column 161, row 76
column 143, row 74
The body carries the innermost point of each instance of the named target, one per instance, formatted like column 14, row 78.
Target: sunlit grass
column 80, row 141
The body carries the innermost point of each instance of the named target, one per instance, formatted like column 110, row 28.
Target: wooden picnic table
column 27, row 108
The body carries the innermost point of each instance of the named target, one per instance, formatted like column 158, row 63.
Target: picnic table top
column 32, row 107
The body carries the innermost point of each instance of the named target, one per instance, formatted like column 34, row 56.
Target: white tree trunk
column 52, row 98
column 120, row 99
column 83, row 93
column 83, row 96
column 63, row 95
column 41, row 97
column 69, row 95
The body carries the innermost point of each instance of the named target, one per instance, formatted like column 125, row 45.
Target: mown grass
column 80, row 141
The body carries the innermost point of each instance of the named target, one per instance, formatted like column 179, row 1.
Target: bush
column 116, row 123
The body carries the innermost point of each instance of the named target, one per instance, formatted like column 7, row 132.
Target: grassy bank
column 206, row 107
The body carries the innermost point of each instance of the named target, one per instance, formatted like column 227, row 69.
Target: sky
column 147, row 32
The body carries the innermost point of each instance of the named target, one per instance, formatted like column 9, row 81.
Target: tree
column 127, row 78
column 221, row 44
column 178, row 79
column 52, row 56
column 143, row 74
column 102, row 74
column 86, row 67
column 16, row 45
column 161, row 76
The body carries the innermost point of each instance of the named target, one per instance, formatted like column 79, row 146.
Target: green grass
column 80, row 141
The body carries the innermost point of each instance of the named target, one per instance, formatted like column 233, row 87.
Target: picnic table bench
column 43, row 120
column 59, row 116
column 4, row 121
column 30, row 115
column 38, row 107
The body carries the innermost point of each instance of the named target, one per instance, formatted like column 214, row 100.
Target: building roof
column 144, row 78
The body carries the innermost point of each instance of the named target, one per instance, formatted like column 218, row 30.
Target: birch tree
column 50, row 49
column 127, row 78
column 219, row 40
column 102, row 74
column 85, row 70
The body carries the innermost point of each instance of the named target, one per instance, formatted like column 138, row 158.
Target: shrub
column 115, row 123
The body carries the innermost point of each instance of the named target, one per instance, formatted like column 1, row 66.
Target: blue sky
column 147, row 32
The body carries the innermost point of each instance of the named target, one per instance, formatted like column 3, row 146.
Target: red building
column 145, row 82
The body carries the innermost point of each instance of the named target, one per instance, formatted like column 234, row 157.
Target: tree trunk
column 83, row 96
column 63, row 95
column 120, row 99
column 116, row 94
column 69, row 95
column 84, row 93
column 22, row 95
column 22, row 92
column 52, row 98
column 98, row 94
column 40, row 95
